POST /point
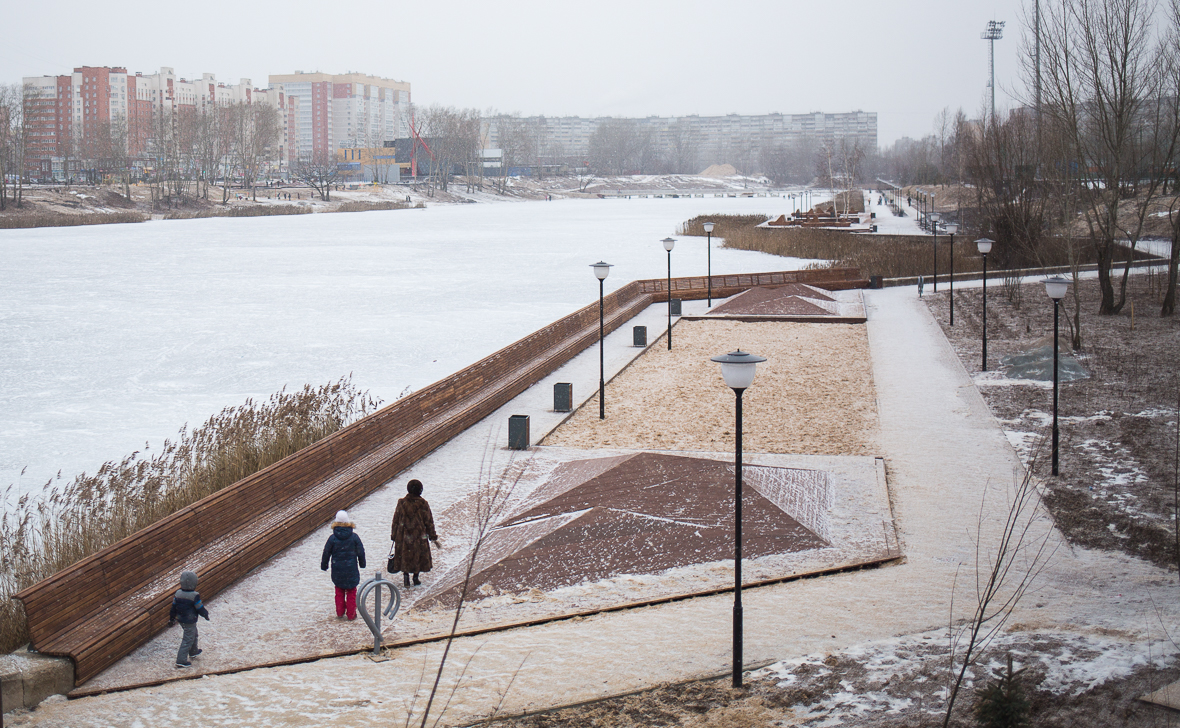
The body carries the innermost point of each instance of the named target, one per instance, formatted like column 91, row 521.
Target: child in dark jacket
column 345, row 551
column 186, row 606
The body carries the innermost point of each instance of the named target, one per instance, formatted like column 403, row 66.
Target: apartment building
column 335, row 111
column 734, row 138
column 73, row 116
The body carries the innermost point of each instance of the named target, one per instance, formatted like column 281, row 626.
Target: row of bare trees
column 173, row 151
column 1086, row 168
column 15, row 140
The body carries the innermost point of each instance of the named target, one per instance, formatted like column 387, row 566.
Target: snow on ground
column 889, row 224
column 944, row 453
column 116, row 335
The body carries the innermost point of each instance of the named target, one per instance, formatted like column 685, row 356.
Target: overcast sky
column 905, row 59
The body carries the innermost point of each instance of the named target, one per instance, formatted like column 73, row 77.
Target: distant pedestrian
column 413, row 524
column 186, row 607
column 346, row 553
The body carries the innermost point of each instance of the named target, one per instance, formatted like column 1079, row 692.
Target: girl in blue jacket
column 347, row 556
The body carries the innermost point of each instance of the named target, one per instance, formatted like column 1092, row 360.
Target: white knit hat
column 341, row 516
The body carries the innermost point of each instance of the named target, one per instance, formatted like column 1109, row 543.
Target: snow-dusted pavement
column 944, row 453
column 889, row 224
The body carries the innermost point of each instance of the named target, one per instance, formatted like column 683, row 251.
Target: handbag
column 389, row 566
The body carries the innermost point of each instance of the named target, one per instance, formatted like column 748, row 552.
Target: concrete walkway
column 944, row 453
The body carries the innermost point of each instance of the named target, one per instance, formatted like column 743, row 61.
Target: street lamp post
column 1055, row 288
column 709, row 249
column 984, row 246
column 934, row 229
column 601, row 271
column 669, row 243
column 951, row 229
column 738, row 369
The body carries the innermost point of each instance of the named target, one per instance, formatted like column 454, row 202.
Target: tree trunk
column 1104, row 254
column 1169, row 306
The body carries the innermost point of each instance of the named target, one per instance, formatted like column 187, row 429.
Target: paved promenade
column 944, row 454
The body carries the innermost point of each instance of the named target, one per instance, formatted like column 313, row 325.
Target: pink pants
column 346, row 599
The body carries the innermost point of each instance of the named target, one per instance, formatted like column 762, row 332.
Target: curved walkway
column 944, row 453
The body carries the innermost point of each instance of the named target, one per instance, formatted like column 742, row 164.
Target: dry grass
column 67, row 523
column 61, row 219
column 889, row 256
column 363, row 206
column 235, row 211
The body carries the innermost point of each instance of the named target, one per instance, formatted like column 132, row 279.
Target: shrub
column 1002, row 702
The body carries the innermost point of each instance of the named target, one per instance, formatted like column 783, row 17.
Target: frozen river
column 116, row 335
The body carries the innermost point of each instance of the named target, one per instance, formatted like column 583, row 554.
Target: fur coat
column 413, row 524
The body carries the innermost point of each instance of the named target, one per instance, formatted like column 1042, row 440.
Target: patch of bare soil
column 839, row 690
column 1117, row 487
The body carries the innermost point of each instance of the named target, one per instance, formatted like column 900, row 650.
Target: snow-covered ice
column 116, row 335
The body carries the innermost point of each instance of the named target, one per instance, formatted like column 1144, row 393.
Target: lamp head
column 601, row 270
column 669, row 243
column 934, row 216
column 951, row 228
column 984, row 245
column 1056, row 287
column 708, row 227
column 738, row 368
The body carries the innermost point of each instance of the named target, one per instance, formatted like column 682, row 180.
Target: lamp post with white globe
column 709, row 249
column 984, row 246
column 601, row 271
column 669, row 243
column 951, row 229
column 1055, row 288
column 738, row 369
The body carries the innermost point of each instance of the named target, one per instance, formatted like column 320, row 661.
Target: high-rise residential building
column 70, row 116
column 334, row 111
column 735, row 139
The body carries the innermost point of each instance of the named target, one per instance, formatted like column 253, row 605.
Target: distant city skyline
column 905, row 61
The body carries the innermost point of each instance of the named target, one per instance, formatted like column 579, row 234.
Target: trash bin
column 563, row 397
column 639, row 336
column 518, row 432
column 675, row 306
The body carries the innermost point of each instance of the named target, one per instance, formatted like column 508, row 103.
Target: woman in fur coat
column 413, row 524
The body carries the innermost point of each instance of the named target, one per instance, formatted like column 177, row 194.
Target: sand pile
column 814, row 395
column 719, row 170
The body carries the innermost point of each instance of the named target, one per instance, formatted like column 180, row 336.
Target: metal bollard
column 395, row 601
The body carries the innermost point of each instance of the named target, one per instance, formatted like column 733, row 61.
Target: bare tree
column 1103, row 86
column 319, row 171
column 1005, row 568
column 518, row 144
column 454, row 138
column 10, row 117
column 618, row 146
column 256, row 135
column 1170, row 100
column 684, row 142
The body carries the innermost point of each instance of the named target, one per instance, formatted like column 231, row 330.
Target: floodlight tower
column 994, row 32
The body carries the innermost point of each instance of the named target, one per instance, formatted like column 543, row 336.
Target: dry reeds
column 260, row 211
column 888, row 256
column 363, row 206
column 61, row 219
column 41, row 536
